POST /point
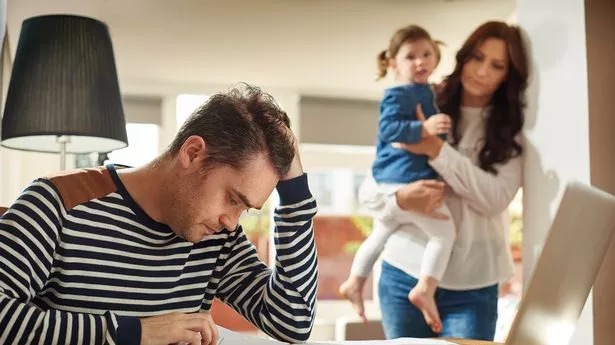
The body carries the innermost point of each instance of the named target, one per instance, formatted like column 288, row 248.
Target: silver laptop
column 565, row 272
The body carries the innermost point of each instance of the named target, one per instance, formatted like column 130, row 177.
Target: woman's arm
column 424, row 196
column 487, row 193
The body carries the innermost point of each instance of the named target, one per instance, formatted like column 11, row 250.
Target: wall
column 559, row 72
column 600, row 36
column 312, row 47
column 339, row 121
column 569, row 129
column 10, row 160
column 142, row 109
column 292, row 49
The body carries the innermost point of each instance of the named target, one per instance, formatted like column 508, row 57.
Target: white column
column 10, row 170
column 289, row 102
column 557, row 128
column 168, row 122
column 10, row 163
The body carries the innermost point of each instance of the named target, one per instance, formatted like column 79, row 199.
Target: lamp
column 64, row 95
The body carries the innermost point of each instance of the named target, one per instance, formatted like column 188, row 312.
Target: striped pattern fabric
column 82, row 270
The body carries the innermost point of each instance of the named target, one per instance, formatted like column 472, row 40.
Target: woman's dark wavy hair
column 506, row 119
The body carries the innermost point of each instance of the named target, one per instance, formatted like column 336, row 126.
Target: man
column 136, row 255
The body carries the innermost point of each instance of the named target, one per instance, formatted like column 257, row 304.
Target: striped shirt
column 81, row 262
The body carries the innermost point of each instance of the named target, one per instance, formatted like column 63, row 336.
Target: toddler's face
column 415, row 61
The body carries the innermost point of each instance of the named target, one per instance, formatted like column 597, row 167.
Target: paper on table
column 228, row 337
column 398, row 341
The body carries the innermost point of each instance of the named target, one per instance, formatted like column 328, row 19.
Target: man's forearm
column 25, row 324
column 295, row 279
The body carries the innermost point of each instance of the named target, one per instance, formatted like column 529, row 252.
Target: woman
column 482, row 167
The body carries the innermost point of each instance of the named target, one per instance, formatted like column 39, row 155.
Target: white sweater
column 478, row 202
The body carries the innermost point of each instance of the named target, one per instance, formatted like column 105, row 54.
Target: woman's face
column 486, row 69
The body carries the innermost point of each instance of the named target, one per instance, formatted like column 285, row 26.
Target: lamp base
column 63, row 140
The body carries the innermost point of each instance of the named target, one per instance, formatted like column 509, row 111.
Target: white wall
column 313, row 47
column 10, row 161
column 557, row 129
column 290, row 48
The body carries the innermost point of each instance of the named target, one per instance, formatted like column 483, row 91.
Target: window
column 357, row 181
column 321, row 185
column 257, row 225
column 142, row 147
column 336, row 190
column 338, row 227
column 186, row 105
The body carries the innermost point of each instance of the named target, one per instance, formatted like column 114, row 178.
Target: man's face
column 203, row 204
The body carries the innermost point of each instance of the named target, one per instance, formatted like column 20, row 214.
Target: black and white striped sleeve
column 281, row 302
column 29, row 232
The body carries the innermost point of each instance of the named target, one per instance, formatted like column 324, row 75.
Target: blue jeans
column 467, row 314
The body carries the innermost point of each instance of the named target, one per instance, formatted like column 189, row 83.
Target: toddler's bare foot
column 352, row 290
column 426, row 303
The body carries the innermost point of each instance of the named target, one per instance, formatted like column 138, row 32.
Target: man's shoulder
column 77, row 186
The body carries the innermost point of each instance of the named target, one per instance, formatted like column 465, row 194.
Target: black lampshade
column 64, row 83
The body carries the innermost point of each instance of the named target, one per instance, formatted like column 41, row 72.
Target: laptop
column 566, row 269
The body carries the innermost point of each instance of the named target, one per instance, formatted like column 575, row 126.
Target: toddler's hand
column 437, row 124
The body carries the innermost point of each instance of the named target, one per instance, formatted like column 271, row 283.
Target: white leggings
column 379, row 199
